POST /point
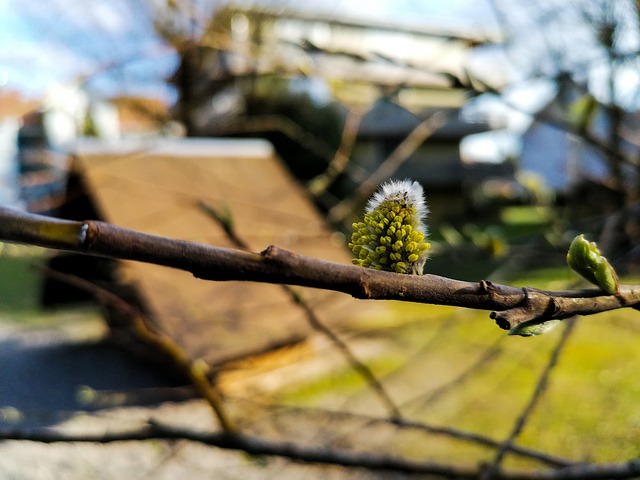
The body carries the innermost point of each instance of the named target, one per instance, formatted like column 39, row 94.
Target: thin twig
column 113, row 398
column 196, row 371
column 340, row 160
column 490, row 353
column 389, row 166
column 248, row 444
column 301, row 453
column 226, row 223
column 450, row 432
column 540, row 388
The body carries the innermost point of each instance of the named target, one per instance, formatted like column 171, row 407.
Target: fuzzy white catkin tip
column 408, row 191
column 392, row 234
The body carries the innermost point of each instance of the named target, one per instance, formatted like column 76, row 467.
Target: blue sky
column 42, row 43
column 111, row 42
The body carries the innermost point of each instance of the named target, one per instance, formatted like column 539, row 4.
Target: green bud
column 533, row 328
column 585, row 259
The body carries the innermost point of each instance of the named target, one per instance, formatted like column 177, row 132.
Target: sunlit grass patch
column 20, row 281
column 526, row 215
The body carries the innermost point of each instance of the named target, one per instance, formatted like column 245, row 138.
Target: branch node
column 535, row 306
column 82, row 236
column 554, row 308
column 88, row 233
column 500, row 320
column 274, row 253
column 486, row 287
column 270, row 251
column 366, row 290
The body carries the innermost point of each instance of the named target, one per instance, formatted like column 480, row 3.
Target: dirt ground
column 47, row 374
column 58, row 374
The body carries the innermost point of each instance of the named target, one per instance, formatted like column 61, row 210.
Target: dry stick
column 422, row 400
column 389, row 166
column 511, row 305
column 226, row 224
column 340, row 160
column 451, row 432
column 541, row 386
column 281, row 124
column 251, row 445
column 483, row 440
column 196, row 370
column 301, row 453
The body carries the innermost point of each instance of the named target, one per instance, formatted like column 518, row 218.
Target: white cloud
column 32, row 67
column 451, row 14
column 106, row 16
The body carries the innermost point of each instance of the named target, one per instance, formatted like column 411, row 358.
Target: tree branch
column 248, row 444
column 511, row 305
column 297, row 452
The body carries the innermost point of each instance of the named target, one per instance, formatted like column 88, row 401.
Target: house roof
column 388, row 119
column 156, row 189
column 13, row 104
column 435, row 30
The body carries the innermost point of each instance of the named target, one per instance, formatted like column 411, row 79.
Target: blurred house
column 167, row 187
column 143, row 117
column 49, row 129
column 292, row 77
column 12, row 107
column 353, row 57
column 9, row 191
column 47, row 132
column 583, row 149
column 435, row 163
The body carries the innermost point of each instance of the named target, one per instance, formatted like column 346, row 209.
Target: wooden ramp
column 157, row 188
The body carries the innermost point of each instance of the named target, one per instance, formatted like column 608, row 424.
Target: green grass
column 19, row 282
column 526, row 215
column 589, row 411
column 20, row 289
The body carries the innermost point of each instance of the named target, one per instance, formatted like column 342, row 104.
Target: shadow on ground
column 45, row 378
